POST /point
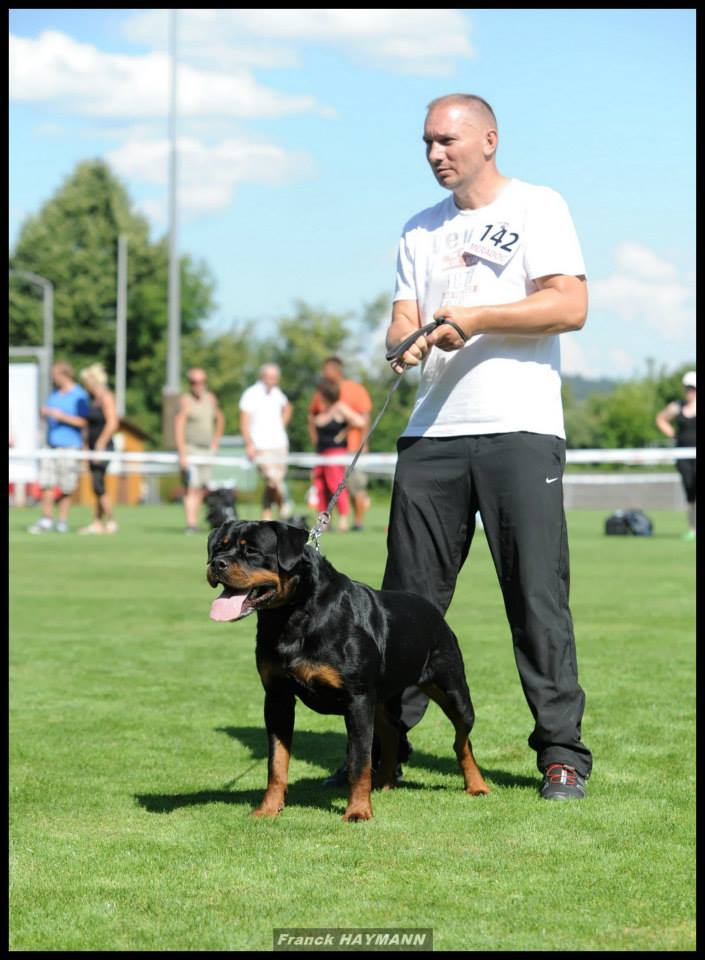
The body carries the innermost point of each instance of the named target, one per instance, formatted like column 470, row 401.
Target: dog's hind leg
column 359, row 721
column 279, row 718
column 457, row 707
column 388, row 735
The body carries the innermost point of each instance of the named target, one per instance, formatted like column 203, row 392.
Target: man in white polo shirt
column 264, row 415
column 499, row 258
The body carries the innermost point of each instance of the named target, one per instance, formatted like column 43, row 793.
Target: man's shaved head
column 474, row 105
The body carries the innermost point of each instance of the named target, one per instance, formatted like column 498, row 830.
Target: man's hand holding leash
column 444, row 331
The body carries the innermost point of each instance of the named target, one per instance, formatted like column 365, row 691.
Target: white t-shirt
column 265, row 408
column 495, row 383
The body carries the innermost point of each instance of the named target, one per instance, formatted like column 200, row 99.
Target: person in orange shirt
column 355, row 396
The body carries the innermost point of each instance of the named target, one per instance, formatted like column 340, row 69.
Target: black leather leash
column 324, row 516
column 402, row 347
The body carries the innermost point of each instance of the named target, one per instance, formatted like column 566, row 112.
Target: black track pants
column 515, row 480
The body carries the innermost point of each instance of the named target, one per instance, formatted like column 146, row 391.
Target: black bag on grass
column 629, row 523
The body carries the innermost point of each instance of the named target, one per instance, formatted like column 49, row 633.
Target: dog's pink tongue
column 229, row 604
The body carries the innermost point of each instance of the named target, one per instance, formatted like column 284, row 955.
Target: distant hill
column 582, row 387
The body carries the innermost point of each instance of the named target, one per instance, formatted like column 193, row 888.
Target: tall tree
column 72, row 242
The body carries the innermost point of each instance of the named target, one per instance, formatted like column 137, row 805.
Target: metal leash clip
column 318, row 530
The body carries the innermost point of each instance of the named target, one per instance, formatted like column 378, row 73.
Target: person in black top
column 331, row 426
column 103, row 422
column 682, row 414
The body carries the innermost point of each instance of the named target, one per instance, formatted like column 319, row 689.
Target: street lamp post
column 173, row 360
column 48, row 316
column 121, row 326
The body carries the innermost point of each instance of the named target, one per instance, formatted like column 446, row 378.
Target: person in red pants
column 331, row 426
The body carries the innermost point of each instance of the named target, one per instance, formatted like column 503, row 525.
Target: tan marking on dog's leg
column 359, row 801
column 278, row 778
column 474, row 781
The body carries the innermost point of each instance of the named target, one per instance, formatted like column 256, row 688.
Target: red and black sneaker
column 561, row 782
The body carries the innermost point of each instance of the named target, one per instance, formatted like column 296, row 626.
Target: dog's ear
column 212, row 537
column 290, row 545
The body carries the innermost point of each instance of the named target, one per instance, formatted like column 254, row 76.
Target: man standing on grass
column 500, row 259
column 66, row 413
column 198, row 427
column 265, row 413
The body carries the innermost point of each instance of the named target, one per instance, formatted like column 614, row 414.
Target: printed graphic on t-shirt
column 459, row 285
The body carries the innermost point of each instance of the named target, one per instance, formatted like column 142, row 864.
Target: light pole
column 48, row 313
column 173, row 358
column 121, row 326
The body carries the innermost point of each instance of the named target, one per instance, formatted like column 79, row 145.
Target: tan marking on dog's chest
column 317, row 673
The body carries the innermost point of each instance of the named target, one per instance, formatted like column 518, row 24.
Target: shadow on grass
column 327, row 750
column 302, row 793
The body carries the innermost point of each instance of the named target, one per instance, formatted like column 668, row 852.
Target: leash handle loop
column 402, row 347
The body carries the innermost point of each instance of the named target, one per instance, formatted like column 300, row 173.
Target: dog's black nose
column 220, row 564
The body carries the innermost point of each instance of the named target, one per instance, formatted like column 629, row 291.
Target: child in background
column 331, row 440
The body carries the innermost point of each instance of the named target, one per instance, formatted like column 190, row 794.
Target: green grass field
column 138, row 750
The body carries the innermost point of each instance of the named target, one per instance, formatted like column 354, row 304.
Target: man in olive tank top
column 198, row 427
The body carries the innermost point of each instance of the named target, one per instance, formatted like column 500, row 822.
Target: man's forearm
column 542, row 313
column 219, row 428
column 245, row 427
column 406, row 318
column 179, row 436
column 559, row 306
column 61, row 417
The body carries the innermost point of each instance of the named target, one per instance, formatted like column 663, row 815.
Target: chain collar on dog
column 324, row 517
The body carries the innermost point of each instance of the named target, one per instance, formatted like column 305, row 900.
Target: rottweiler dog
column 341, row 647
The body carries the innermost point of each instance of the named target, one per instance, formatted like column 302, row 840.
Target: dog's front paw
column 478, row 789
column 355, row 814
column 268, row 808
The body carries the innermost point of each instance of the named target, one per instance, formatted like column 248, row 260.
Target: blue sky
column 300, row 152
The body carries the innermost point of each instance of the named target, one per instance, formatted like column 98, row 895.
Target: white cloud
column 648, row 290
column 622, row 363
column 50, row 129
column 411, row 41
column 57, row 67
column 574, row 357
column 207, row 175
column 580, row 356
column 638, row 261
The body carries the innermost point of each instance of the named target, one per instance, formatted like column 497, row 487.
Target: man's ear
column 291, row 541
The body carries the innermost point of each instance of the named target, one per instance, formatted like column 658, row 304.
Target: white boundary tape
column 376, row 463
